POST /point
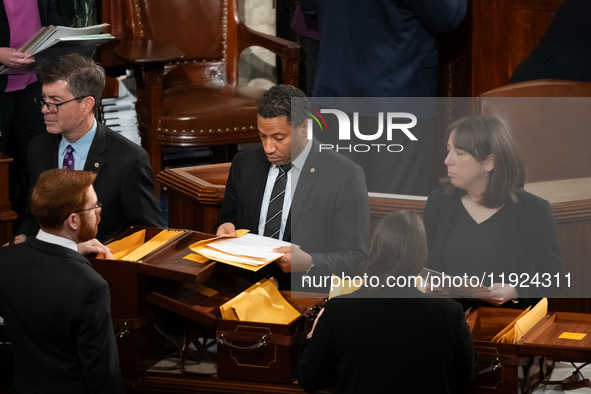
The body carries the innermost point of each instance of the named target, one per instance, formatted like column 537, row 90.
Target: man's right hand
column 18, row 239
column 226, row 229
column 94, row 246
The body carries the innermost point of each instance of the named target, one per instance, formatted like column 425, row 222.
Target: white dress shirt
column 293, row 177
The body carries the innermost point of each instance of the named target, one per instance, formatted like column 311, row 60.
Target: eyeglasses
column 98, row 206
column 52, row 107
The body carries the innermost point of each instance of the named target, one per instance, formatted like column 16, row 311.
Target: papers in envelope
column 466, row 289
column 261, row 302
column 247, row 251
column 523, row 323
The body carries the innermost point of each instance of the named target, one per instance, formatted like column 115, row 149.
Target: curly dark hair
column 277, row 102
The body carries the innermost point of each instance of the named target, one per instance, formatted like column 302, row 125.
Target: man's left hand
column 94, row 246
column 294, row 260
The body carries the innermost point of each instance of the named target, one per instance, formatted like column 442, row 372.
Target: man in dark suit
column 56, row 307
column 565, row 50
column 72, row 89
column 324, row 208
column 385, row 48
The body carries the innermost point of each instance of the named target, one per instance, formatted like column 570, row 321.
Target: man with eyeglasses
column 56, row 307
column 72, row 87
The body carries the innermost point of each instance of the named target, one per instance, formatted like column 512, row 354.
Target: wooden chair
column 550, row 122
column 185, row 54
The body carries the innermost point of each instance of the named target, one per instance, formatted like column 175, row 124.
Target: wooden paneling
column 490, row 43
column 7, row 215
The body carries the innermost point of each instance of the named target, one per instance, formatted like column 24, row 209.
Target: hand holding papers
column 52, row 41
column 248, row 251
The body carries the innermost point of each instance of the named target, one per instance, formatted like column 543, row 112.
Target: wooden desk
column 195, row 195
column 7, row 215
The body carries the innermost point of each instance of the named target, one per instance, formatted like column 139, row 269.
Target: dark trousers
column 20, row 121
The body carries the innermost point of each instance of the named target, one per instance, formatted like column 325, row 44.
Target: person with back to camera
column 412, row 334
column 483, row 223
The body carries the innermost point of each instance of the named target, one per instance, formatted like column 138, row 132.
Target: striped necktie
column 273, row 222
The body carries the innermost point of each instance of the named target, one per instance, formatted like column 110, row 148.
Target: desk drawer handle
column 262, row 343
column 496, row 364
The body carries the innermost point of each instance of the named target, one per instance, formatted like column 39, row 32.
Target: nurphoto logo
column 392, row 120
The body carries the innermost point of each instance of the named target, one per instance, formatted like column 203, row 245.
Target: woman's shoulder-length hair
column 398, row 247
column 480, row 137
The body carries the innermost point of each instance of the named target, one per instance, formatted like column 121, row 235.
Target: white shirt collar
column 57, row 240
column 301, row 159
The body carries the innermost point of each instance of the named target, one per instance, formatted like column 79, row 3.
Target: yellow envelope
column 346, row 287
column 526, row 323
column 261, row 302
column 507, row 335
column 126, row 245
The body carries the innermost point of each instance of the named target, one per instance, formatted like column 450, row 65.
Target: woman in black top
column 482, row 223
column 399, row 340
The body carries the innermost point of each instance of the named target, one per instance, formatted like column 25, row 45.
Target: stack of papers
column 52, row 41
column 262, row 303
column 522, row 324
column 248, row 251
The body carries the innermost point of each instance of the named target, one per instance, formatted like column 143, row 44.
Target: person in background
column 482, row 221
column 72, row 90
column 386, row 48
column 565, row 50
column 413, row 335
column 56, row 308
column 307, row 28
column 19, row 117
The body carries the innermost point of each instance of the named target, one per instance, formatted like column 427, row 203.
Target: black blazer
column 329, row 216
column 531, row 243
column 564, row 51
column 124, row 182
column 409, row 344
column 48, row 15
column 57, row 316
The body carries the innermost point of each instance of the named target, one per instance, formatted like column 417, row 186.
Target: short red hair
column 59, row 193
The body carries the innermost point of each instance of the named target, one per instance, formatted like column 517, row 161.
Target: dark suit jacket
column 124, row 182
column 565, row 51
column 380, row 48
column 57, row 316
column 414, row 344
column 329, row 217
column 48, row 15
column 531, row 242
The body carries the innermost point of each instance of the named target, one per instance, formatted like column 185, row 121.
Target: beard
column 87, row 231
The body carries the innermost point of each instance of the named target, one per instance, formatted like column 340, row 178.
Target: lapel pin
column 96, row 165
column 312, row 169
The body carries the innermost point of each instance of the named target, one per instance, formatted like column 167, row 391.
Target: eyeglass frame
column 99, row 205
column 39, row 99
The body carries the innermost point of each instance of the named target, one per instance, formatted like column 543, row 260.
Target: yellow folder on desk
column 515, row 330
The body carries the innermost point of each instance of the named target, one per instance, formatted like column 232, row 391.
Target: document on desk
column 249, row 251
